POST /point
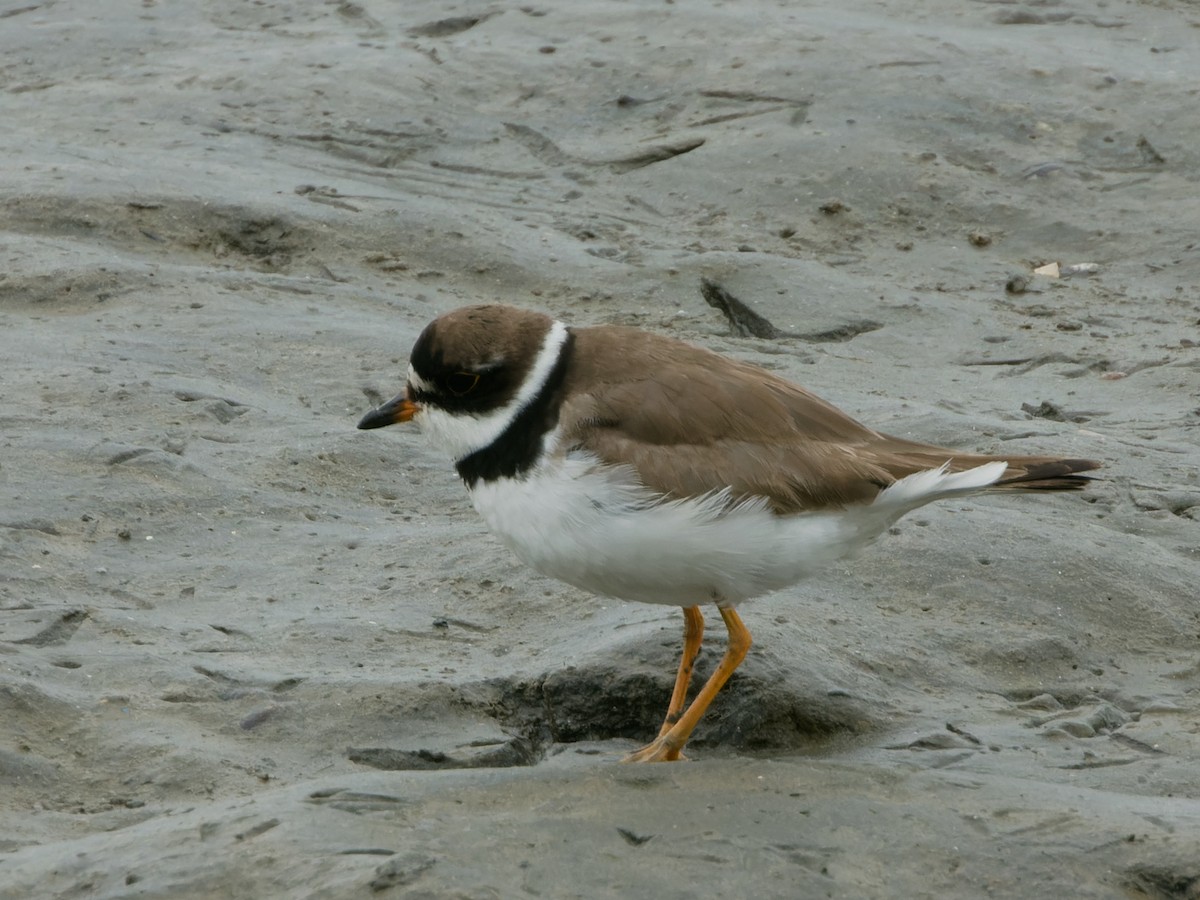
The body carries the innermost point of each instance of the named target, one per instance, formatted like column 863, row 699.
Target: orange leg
column 693, row 634
column 668, row 746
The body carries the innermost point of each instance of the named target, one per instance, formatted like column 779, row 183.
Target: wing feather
column 691, row 422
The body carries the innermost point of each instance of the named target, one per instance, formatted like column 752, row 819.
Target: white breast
column 595, row 527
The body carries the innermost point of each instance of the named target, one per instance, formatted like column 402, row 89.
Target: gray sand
column 248, row 651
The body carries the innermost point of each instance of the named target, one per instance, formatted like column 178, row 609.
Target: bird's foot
column 658, row 750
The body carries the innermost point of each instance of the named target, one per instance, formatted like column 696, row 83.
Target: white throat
column 461, row 434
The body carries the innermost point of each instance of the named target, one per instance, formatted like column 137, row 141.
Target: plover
column 637, row 466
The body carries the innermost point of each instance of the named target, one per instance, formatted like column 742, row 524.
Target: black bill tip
column 398, row 409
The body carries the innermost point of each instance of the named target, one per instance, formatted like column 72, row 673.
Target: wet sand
column 249, row 651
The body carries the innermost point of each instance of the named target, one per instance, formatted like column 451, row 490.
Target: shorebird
column 637, row 466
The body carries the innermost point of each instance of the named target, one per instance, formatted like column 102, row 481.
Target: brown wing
column 690, row 421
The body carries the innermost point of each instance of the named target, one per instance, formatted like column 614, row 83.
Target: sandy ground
column 248, row 651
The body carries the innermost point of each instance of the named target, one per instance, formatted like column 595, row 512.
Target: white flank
column 461, row 435
column 595, row 527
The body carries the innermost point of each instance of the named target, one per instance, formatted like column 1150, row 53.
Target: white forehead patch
column 416, row 382
column 461, row 434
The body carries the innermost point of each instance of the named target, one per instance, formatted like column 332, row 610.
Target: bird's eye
column 462, row 383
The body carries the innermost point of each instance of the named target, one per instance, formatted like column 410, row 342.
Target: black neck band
column 515, row 451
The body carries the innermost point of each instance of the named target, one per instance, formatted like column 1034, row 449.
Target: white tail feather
column 924, row 487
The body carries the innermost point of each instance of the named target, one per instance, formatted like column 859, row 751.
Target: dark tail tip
column 1049, row 475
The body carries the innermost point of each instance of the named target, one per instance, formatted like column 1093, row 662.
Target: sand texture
column 247, row 651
